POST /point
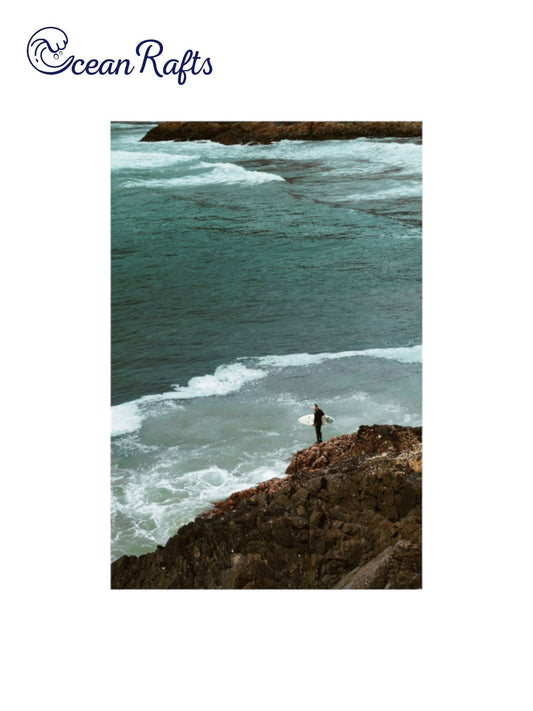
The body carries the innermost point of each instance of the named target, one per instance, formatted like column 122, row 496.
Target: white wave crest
column 208, row 174
column 226, row 379
column 410, row 354
column 142, row 160
column 412, row 190
column 400, row 153
column 128, row 417
column 125, row 418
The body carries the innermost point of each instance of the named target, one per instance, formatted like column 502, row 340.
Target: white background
column 72, row 643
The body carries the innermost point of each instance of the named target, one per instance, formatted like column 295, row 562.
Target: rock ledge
column 232, row 132
column 347, row 515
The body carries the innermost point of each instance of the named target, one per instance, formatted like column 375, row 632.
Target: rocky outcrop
column 347, row 515
column 398, row 566
column 231, row 132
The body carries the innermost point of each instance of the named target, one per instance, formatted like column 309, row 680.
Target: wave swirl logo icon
column 46, row 50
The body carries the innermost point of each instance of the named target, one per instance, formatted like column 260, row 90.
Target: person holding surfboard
column 316, row 419
column 318, row 422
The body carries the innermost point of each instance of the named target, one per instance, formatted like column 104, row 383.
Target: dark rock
column 231, row 132
column 398, row 566
column 248, row 571
column 354, row 523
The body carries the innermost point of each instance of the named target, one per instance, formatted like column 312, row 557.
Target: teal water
column 247, row 283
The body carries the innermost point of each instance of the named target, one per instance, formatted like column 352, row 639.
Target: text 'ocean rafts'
column 47, row 53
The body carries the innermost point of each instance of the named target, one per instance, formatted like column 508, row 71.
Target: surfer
column 318, row 422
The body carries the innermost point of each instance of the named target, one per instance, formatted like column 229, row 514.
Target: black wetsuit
column 318, row 424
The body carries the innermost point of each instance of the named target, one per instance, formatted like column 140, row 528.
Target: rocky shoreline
column 347, row 515
column 233, row 132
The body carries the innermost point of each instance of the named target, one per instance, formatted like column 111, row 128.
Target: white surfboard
column 310, row 419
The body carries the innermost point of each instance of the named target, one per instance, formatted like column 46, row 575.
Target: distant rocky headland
column 346, row 515
column 231, row 132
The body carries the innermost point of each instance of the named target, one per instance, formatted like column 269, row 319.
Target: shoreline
column 346, row 515
column 242, row 132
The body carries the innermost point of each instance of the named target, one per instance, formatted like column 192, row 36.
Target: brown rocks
column 231, row 132
column 347, row 515
column 398, row 566
column 375, row 441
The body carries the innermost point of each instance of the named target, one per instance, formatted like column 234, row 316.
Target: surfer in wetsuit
column 318, row 422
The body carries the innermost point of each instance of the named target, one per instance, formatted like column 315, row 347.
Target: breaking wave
column 207, row 174
column 128, row 417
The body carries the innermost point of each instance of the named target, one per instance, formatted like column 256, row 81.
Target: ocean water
column 249, row 282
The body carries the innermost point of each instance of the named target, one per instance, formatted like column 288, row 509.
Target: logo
column 47, row 53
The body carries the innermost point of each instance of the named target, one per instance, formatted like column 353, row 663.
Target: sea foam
column 125, row 418
column 409, row 354
column 208, row 174
column 160, row 499
column 226, row 379
column 142, row 160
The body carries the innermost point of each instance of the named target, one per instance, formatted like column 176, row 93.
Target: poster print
column 262, row 273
